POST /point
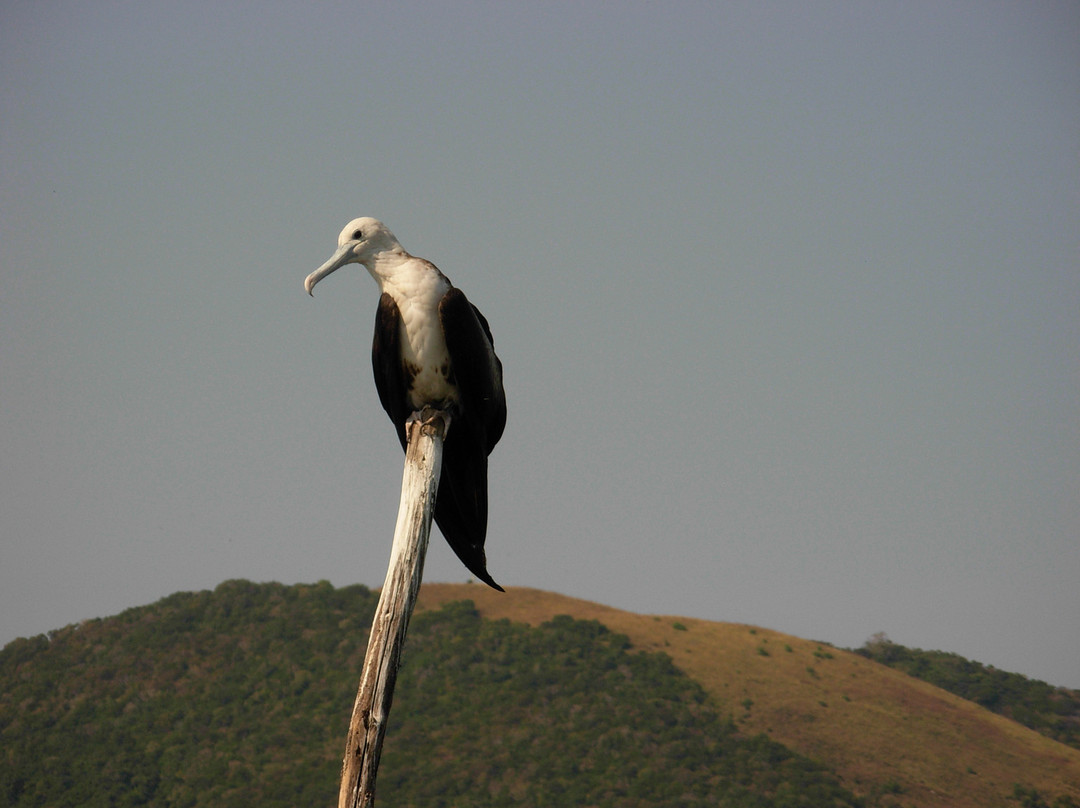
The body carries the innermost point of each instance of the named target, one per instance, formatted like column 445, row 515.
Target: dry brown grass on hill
column 879, row 729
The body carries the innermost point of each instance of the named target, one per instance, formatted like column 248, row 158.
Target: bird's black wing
column 476, row 369
column 476, row 426
column 390, row 377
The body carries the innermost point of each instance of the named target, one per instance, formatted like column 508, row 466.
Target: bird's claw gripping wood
column 428, row 417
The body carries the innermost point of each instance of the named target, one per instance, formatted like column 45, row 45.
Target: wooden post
column 419, row 486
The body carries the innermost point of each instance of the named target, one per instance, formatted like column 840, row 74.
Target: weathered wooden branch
column 419, row 486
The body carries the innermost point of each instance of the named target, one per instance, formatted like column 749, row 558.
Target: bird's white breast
column 417, row 287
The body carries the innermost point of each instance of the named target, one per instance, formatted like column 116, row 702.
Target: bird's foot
column 428, row 416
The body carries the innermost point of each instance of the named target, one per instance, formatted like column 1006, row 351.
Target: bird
column 432, row 347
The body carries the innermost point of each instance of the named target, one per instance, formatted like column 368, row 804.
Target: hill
column 241, row 696
column 879, row 729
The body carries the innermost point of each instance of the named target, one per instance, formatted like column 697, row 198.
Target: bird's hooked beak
column 344, row 255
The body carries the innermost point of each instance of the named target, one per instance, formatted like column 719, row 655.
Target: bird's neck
column 387, row 263
column 413, row 282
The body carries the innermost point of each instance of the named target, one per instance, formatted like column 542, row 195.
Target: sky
column 787, row 297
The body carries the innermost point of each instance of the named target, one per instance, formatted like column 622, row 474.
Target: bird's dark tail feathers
column 461, row 506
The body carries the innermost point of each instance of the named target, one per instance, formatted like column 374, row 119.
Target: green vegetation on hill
column 565, row 715
column 241, row 696
column 1052, row 711
column 210, row 698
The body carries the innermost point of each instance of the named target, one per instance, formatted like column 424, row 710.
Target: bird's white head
column 360, row 242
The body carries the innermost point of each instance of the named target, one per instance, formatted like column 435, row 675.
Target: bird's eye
column 358, row 235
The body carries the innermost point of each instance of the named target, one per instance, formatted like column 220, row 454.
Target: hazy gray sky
column 787, row 294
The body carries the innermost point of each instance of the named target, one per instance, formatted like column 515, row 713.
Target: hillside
column 878, row 728
column 241, row 696
column 1050, row 711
